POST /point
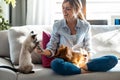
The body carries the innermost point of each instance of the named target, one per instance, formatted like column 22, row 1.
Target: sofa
column 105, row 41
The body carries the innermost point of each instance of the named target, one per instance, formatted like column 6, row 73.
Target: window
column 102, row 9
column 58, row 9
column 97, row 12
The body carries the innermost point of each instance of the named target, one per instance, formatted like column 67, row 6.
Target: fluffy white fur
column 25, row 60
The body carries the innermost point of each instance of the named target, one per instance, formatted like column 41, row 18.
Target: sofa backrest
column 96, row 29
column 4, row 45
column 16, row 36
column 106, row 40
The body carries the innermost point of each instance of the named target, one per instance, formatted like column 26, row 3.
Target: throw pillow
column 45, row 60
column 107, row 43
column 16, row 37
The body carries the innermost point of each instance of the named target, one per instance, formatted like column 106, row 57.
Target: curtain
column 84, row 7
column 18, row 13
column 39, row 12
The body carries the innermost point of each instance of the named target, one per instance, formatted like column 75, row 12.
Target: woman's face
column 68, row 11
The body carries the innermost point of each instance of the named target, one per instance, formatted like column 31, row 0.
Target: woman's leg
column 104, row 63
column 64, row 68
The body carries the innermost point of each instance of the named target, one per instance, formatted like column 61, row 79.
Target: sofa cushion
column 4, row 45
column 96, row 29
column 6, row 74
column 46, row 60
column 42, row 73
column 107, row 43
column 16, row 37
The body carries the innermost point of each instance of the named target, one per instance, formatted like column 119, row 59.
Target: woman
column 74, row 31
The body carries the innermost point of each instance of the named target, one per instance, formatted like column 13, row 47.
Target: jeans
column 100, row 64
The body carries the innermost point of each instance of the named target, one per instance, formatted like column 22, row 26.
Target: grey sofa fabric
column 4, row 45
column 47, row 74
column 6, row 74
column 105, row 40
column 16, row 37
column 42, row 73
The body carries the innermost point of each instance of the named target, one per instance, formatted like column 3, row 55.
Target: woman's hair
column 77, row 6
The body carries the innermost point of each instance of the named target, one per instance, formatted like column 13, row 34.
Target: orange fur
column 77, row 58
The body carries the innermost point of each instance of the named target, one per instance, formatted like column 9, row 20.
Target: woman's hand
column 43, row 52
column 39, row 50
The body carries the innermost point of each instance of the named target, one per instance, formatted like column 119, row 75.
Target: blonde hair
column 77, row 6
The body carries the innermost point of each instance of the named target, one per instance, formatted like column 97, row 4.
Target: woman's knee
column 64, row 68
column 56, row 63
column 113, row 60
column 103, row 63
column 57, row 66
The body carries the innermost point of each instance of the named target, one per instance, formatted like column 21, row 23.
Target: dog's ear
column 62, row 46
column 61, row 52
column 57, row 54
column 68, row 53
column 83, row 51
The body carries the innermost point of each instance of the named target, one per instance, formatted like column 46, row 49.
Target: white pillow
column 106, row 43
column 16, row 36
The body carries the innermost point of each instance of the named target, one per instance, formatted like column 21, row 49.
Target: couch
column 105, row 41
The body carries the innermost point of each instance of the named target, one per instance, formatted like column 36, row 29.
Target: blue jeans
column 101, row 64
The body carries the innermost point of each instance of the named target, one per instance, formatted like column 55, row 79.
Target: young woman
column 74, row 31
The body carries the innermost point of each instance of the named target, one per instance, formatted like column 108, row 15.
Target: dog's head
column 64, row 52
column 85, row 55
column 68, row 54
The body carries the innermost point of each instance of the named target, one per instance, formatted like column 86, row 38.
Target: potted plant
column 12, row 2
column 4, row 24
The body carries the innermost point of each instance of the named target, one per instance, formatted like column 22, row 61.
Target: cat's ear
column 32, row 32
column 33, row 35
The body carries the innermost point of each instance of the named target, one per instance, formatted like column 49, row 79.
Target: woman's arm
column 85, row 41
column 54, row 40
column 53, row 43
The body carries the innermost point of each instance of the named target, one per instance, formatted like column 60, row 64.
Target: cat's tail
column 14, row 69
column 10, row 68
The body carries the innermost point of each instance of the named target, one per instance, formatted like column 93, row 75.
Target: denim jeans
column 100, row 64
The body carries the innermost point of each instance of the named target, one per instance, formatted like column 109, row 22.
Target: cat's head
column 32, row 41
